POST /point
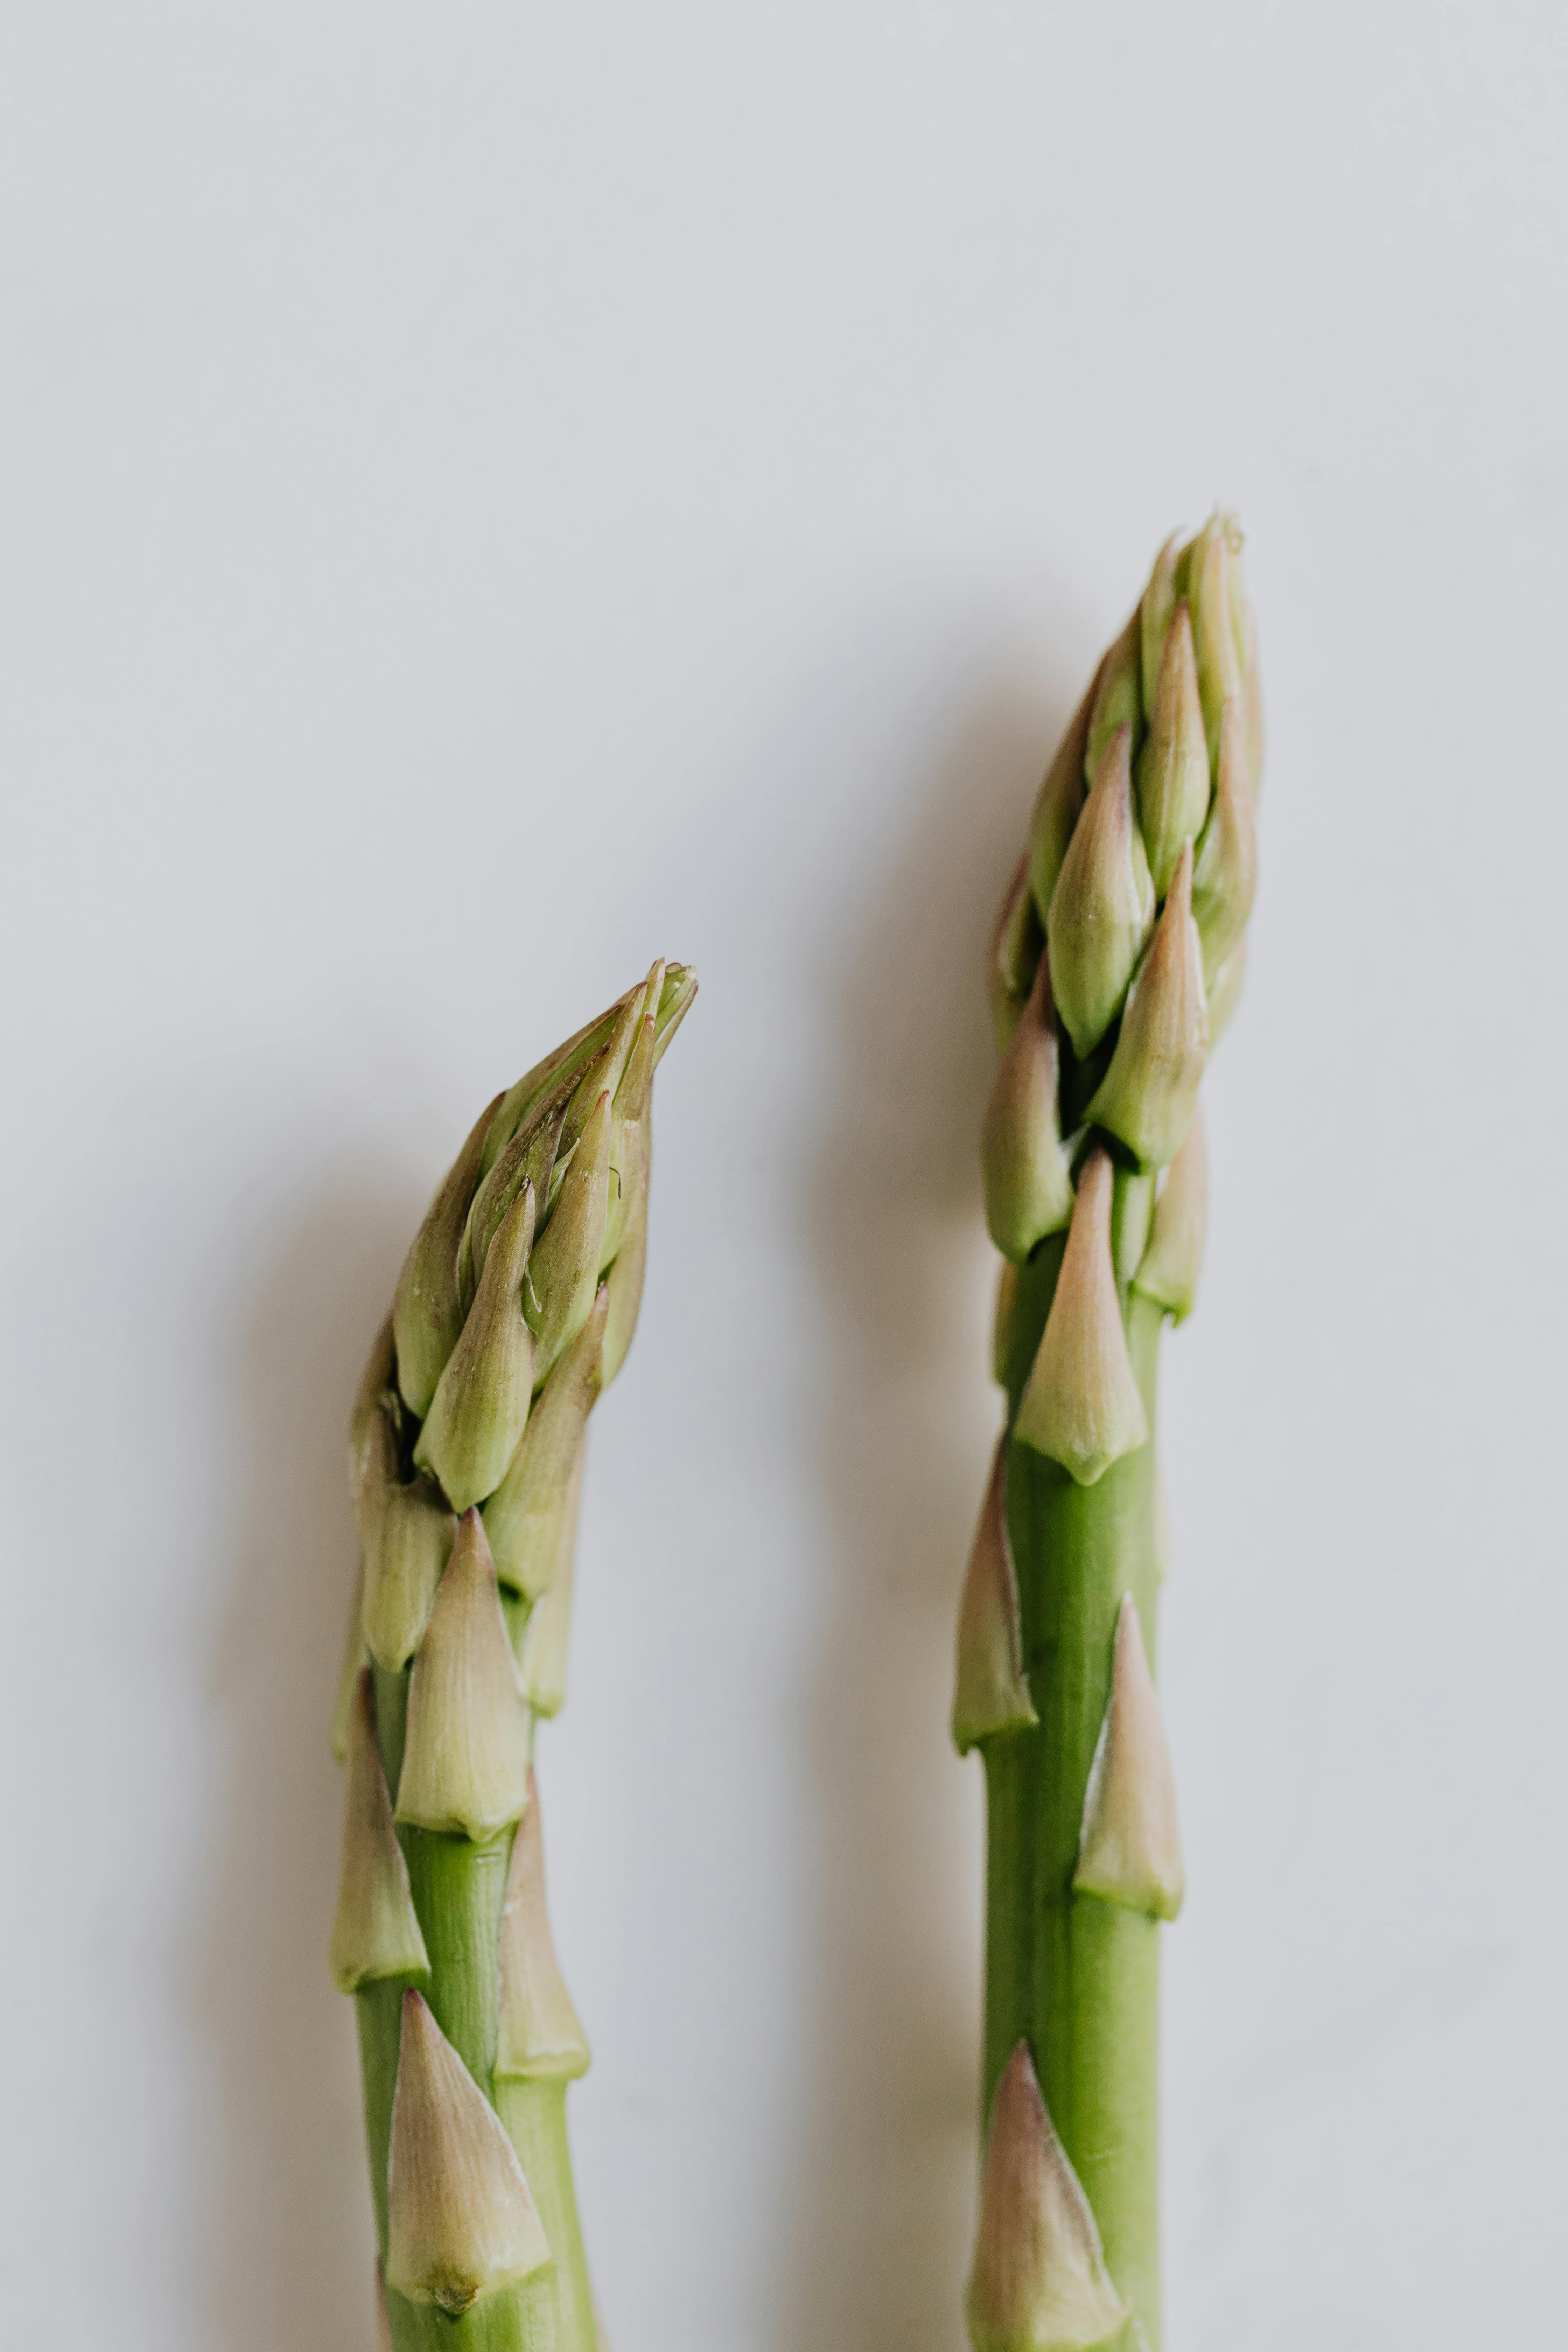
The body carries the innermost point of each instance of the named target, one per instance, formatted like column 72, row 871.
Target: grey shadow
column 284, row 2206
column 880, row 2242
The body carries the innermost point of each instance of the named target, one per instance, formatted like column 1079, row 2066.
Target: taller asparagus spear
column 1116, row 961
column 515, row 1309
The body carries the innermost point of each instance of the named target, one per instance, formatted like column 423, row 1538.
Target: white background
column 489, row 495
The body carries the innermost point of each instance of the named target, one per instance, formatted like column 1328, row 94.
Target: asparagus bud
column 1156, row 611
column 1039, row 2282
column 1082, row 1403
column 1213, row 588
column 1146, row 1097
column 624, row 1285
column 460, row 2222
column 1131, row 1214
column 635, row 1092
column 542, row 1652
column 529, row 1159
column 992, row 1694
column 1169, row 1269
column 674, row 1001
column 630, row 1142
column 539, row 2033
column 1102, row 905
column 1016, row 945
column 379, row 1375
column 1118, row 698
column 604, row 1073
column 481, row 1403
column 1029, row 1184
column 376, row 1932
column 1173, row 766
column 465, row 1762
column 1057, row 809
column 1129, row 1849
column 1225, row 874
column 555, row 1078
column 564, row 1272
column 408, row 1531
column 525, row 1516
column 426, row 1315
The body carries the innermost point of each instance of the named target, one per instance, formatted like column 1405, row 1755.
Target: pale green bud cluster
column 1116, row 960
column 515, row 1307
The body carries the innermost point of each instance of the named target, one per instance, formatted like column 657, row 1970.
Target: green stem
column 558, row 2306
column 1079, row 1978
column 459, row 1888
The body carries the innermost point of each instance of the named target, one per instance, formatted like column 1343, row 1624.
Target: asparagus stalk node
column 1039, row 2278
column 460, row 2222
column 514, row 1310
column 1116, row 963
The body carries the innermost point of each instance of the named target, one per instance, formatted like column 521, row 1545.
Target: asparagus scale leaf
column 1115, row 964
column 513, row 1312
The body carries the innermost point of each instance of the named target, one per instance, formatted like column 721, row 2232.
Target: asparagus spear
column 1116, row 957
column 515, row 1309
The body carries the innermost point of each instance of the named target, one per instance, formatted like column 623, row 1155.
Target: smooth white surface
column 489, row 494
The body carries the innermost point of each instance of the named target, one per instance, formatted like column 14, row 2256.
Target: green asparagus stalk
column 1116, row 961
column 514, row 1310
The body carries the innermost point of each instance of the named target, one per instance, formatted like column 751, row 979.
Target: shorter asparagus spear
column 514, row 1310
